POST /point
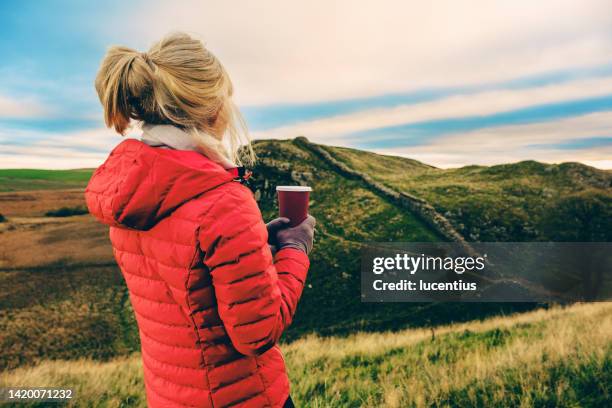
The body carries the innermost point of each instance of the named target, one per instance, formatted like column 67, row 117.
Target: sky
column 450, row 83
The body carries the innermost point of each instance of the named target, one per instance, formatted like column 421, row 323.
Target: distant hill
column 525, row 201
column 357, row 197
column 34, row 179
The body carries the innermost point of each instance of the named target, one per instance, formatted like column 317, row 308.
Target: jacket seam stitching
column 149, row 356
column 242, row 400
column 263, row 382
column 161, row 323
column 195, row 328
column 152, row 237
column 259, row 374
column 155, row 300
column 284, row 273
column 166, row 398
column 227, row 384
column 157, row 261
column 150, row 338
column 120, row 211
column 255, row 321
column 148, row 367
column 144, row 277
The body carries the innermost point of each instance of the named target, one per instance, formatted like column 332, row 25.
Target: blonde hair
column 177, row 82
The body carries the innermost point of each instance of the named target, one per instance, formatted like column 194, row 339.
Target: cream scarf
column 176, row 138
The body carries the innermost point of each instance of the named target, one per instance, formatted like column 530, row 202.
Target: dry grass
column 377, row 343
column 75, row 312
column 117, row 383
column 27, row 238
column 36, row 203
column 35, row 241
column 560, row 357
column 500, row 361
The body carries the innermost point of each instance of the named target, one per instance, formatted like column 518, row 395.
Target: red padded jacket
column 210, row 300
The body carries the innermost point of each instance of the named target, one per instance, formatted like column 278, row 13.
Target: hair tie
column 146, row 58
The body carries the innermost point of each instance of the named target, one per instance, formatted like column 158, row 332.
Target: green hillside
column 32, row 179
column 525, row 201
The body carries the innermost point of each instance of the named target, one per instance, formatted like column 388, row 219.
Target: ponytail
column 124, row 77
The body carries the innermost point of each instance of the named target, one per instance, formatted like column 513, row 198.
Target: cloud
column 319, row 50
column 19, row 108
column 335, row 129
column 518, row 142
column 48, row 150
column 503, row 144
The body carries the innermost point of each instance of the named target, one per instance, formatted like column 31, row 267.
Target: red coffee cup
column 293, row 203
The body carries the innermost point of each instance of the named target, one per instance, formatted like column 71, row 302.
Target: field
column 560, row 357
column 30, row 179
column 65, row 311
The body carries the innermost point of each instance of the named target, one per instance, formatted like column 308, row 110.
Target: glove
column 273, row 227
column 301, row 237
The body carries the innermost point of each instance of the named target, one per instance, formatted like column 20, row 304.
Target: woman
column 210, row 299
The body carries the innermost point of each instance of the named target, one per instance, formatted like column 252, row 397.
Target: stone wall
column 417, row 206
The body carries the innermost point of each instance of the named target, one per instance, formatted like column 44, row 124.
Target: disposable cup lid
column 293, row 188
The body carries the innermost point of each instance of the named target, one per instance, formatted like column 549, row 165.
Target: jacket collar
column 179, row 139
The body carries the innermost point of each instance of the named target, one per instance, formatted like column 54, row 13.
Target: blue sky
column 446, row 83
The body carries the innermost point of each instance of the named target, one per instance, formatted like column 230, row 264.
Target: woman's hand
column 301, row 237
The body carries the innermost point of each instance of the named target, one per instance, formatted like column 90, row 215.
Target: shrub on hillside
column 585, row 216
column 2, row 218
column 67, row 212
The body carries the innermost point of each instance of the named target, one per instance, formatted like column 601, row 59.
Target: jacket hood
column 139, row 185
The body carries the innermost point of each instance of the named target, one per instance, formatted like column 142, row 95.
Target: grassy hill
column 560, row 357
column 80, row 292
column 525, row 201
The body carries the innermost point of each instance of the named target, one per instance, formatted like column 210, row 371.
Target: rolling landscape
column 65, row 313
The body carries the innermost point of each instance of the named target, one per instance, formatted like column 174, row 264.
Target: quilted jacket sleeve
column 257, row 295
